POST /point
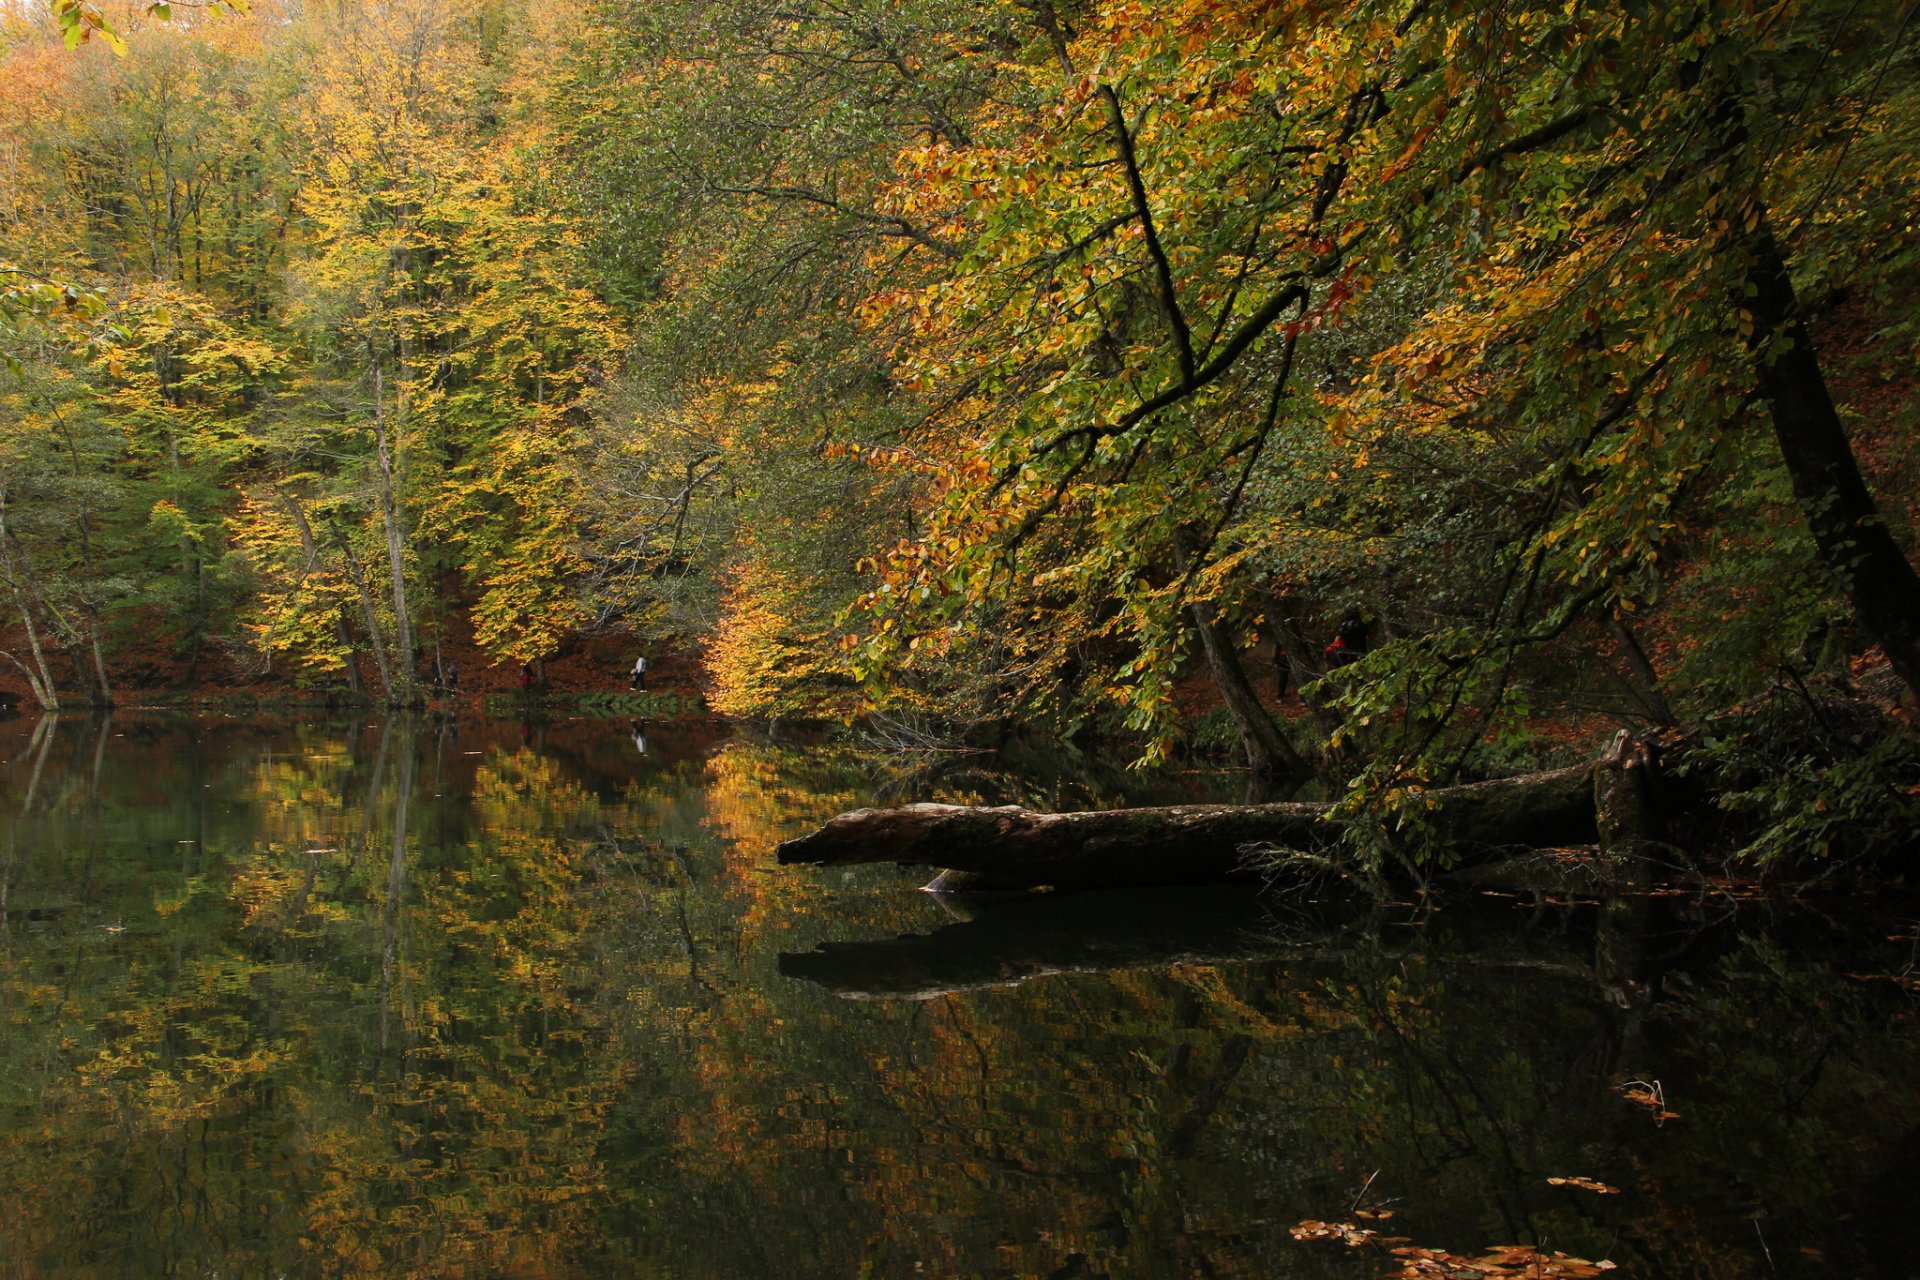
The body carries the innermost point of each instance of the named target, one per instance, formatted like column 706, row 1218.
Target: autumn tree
column 1197, row 199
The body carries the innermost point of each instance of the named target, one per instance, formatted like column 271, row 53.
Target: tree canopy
column 1028, row 361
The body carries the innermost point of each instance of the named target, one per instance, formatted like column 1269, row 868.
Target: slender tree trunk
column 48, row 694
column 342, row 632
column 402, row 690
column 1640, row 672
column 43, row 687
column 99, row 659
column 1268, row 751
column 376, row 637
column 36, row 684
column 1269, row 754
column 77, row 658
column 1852, row 537
column 345, row 635
column 1290, row 638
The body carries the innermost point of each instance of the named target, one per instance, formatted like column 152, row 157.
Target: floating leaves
column 1502, row 1260
column 1345, row 1232
column 1584, row 1184
column 1410, row 1261
column 1650, row 1095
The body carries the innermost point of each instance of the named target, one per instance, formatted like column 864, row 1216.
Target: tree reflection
column 387, row 1001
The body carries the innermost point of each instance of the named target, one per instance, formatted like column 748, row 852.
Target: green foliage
column 977, row 362
column 1810, row 782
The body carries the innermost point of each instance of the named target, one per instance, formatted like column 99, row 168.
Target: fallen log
column 1013, row 847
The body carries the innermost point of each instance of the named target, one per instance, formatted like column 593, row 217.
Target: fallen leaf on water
column 1585, row 1184
column 1345, row 1232
column 1651, row 1095
column 1510, row 1261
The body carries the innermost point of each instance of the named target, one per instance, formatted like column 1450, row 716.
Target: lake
column 480, row 998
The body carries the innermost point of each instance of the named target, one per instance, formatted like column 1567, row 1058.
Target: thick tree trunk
column 1015, row 847
column 1623, row 809
column 1852, row 538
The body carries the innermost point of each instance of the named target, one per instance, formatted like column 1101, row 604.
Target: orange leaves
column 1345, row 1232
column 1584, row 1184
column 890, row 458
column 1417, row 1262
column 1650, row 1096
column 1515, row 1261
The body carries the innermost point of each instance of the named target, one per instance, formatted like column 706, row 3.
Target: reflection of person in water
column 639, row 736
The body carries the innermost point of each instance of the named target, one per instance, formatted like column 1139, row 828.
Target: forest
column 1077, row 368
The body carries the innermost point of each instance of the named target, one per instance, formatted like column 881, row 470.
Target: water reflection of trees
column 395, row 999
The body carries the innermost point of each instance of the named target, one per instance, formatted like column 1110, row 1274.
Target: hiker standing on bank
column 1349, row 641
column 639, row 680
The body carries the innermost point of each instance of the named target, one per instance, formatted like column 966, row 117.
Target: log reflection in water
column 1011, row 940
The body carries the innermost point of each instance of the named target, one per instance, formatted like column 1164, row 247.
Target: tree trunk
column 42, row 691
column 1015, row 847
column 77, row 659
column 1303, row 656
column 370, row 615
column 345, row 636
column 99, row 659
column 1847, row 527
column 311, row 546
column 1640, row 672
column 401, row 689
column 1269, row 753
column 23, row 594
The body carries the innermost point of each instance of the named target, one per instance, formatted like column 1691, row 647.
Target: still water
column 486, row 999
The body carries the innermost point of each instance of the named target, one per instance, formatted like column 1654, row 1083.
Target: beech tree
column 1198, row 196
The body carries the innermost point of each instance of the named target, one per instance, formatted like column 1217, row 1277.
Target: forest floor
column 160, row 667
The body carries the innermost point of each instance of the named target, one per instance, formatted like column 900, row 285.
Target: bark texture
column 1847, row 527
column 1012, row 847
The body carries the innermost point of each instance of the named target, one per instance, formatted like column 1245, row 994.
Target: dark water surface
column 400, row 999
